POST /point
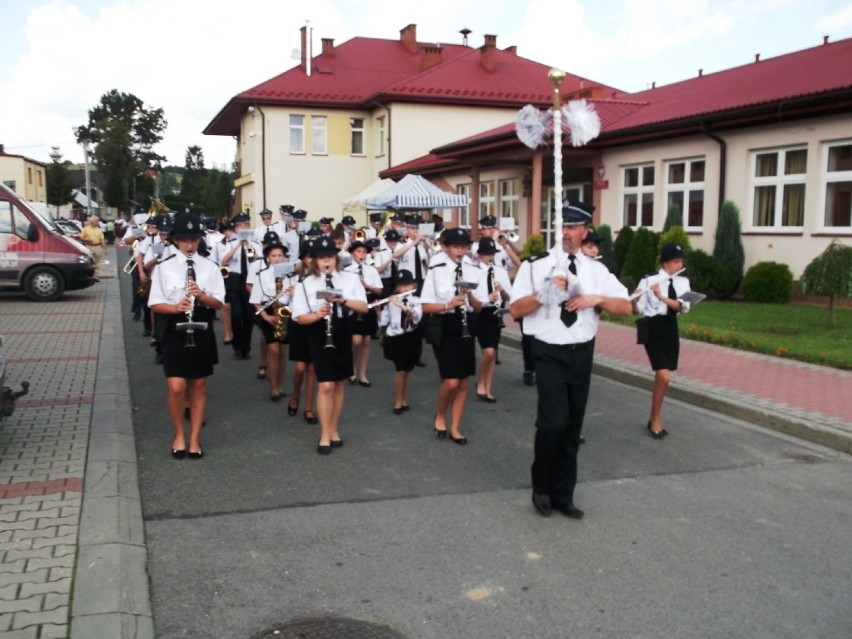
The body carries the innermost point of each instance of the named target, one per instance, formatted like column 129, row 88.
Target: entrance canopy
column 415, row 193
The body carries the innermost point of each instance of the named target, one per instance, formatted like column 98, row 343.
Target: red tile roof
column 363, row 71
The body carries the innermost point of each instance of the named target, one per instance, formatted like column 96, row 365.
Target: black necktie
column 418, row 267
column 490, row 281
column 672, row 296
column 569, row 317
column 458, row 290
column 243, row 262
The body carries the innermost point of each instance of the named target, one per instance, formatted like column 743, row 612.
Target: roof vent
column 700, row 72
column 757, row 57
column 825, row 39
column 430, row 56
column 465, row 32
column 328, row 46
column 486, row 57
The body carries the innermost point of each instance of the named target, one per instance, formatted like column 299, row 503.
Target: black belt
column 570, row 347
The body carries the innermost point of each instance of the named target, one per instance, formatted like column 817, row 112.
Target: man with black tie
column 558, row 293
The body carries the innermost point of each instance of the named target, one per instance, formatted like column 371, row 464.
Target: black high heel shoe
column 179, row 454
column 461, row 441
column 657, row 434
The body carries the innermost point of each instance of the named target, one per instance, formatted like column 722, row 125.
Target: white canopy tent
column 415, row 193
column 357, row 204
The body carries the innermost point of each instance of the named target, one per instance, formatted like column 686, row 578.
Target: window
column 29, row 175
column 356, row 132
column 381, row 135
column 297, row 134
column 685, row 188
column 40, row 178
column 838, row 185
column 22, row 224
column 319, row 135
column 639, row 195
column 778, row 178
column 464, row 214
column 510, row 198
column 487, row 201
column 12, row 220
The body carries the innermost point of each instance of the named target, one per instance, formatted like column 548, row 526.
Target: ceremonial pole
column 556, row 77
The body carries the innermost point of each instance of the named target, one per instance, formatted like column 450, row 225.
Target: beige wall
column 795, row 247
column 29, row 177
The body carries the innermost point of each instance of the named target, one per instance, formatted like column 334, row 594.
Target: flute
column 385, row 300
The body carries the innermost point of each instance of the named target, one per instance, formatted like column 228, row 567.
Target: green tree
column 606, row 248
column 58, row 177
column 642, row 258
column 216, row 189
column 674, row 217
column 728, row 248
column 194, row 173
column 123, row 132
column 621, row 246
column 830, row 273
column 677, row 235
column 533, row 246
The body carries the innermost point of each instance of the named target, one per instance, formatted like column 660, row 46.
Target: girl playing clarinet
column 400, row 317
column 363, row 326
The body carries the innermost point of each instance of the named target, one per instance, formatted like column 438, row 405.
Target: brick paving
column 42, row 456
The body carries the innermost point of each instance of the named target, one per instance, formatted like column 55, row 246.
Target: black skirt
column 403, row 350
column 331, row 364
column 297, row 337
column 190, row 363
column 456, row 355
column 663, row 345
column 488, row 328
column 268, row 331
column 365, row 323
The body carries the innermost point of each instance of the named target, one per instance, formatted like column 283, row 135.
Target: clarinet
column 190, row 279
column 465, row 330
column 498, row 309
column 329, row 335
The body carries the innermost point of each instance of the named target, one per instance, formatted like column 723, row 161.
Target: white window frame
column 319, row 135
column 297, row 133
column 510, row 198
column 779, row 182
column 487, row 199
column 832, row 177
column 381, row 135
column 464, row 212
column 685, row 188
column 357, row 132
column 640, row 191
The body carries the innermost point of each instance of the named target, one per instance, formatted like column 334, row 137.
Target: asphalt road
column 720, row 530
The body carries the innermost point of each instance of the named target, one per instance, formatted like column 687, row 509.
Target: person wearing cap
column 254, row 268
column 285, row 212
column 364, row 325
column 300, row 351
column 140, row 249
column 329, row 333
column 348, row 223
column 272, row 284
column 557, row 293
column 449, row 327
column 413, row 255
column 325, row 225
column 266, row 225
column 375, row 226
column 154, row 255
column 402, row 343
column 179, row 297
column 591, row 246
column 386, row 264
column 493, row 292
column 660, row 305
column 291, row 237
column 236, row 254
column 504, row 257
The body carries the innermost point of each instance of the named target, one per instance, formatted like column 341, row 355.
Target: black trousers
column 526, row 343
column 563, row 378
column 242, row 313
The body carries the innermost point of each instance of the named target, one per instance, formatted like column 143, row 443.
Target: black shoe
column 657, row 434
column 405, row 407
column 324, row 449
column 582, row 439
column 529, row 378
column 179, row 454
column 353, row 380
column 485, row 398
column 365, row 382
column 421, row 363
column 542, row 504
column 197, row 455
column 137, row 317
column 312, row 419
column 497, row 362
column 569, row 510
column 440, row 434
column 397, row 410
column 336, row 443
column 158, row 359
column 461, row 441
column 292, row 410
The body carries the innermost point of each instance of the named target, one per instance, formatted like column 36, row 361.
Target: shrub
column 621, row 246
column 677, row 235
column 768, row 282
column 674, row 217
column 642, row 258
column 707, row 276
column 606, row 250
column 533, row 246
column 830, row 273
column 728, row 248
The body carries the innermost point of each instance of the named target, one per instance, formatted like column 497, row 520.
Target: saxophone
column 282, row 314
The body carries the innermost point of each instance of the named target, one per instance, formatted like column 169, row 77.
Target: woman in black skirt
column 660, row 305
column 402, row 342
column 187, row 285
column 450, row 328
column 329, row 332
column 364, row 325
column 300, row 352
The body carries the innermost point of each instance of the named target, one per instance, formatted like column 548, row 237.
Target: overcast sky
column 190, row 57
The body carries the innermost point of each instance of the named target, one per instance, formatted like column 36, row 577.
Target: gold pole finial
column 556, row 76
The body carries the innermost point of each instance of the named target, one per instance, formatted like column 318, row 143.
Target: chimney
column 304, row 59
column 2, row 150
column 513, row 50
column 757, row 57
column 430, row 56
column 328, row 46
column 408, row 37
column 486, row 57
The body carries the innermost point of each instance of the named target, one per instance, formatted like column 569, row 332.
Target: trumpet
column 359, row 236
column 130, row 266
column 224, row 270
column 510, row 237
column 249, row 250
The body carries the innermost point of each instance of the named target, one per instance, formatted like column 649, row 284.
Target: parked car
column 36, row 256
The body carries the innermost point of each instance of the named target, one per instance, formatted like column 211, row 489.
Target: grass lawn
column 793, row 331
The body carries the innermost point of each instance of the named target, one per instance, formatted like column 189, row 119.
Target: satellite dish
column 296, row 54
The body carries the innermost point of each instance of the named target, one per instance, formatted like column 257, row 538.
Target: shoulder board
column 167, row 259
column 431, row 266
column 533, row 258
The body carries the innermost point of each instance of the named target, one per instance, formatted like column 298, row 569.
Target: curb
column 111, row 598
column 802, row 425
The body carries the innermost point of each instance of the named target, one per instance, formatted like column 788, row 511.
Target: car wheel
column 44, row 284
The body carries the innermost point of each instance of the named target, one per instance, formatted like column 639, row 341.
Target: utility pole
column 88, row 186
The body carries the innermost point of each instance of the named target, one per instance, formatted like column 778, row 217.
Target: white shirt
column 263, row 229
column 371, row 275
column 407, row 260
column 544, row 323
column 439, row 287
column 168, row 282
column 392, row 316
column 501, row 257
column 234, row 266
column 501, row 276
column 264, row 287
column 649, row 305
column 291, row 240
column 141, row 247
column 305, row 296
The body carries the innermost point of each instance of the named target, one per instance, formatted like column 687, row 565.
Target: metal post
column 88, row 186
column 556, row 77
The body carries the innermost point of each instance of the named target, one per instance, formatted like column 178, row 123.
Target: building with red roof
column 23, row 175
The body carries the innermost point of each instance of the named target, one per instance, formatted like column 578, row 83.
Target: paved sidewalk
column 76, row 424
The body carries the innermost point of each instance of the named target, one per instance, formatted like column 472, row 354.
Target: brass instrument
column 189, row 325
column 224, row 270
column 359, row 236
column 282, row 313
column 131, row 264
column 510, row 237
column 249, row 250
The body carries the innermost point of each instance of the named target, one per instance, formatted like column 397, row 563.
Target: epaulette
column 167, row 259
column 437, row 265
column 533, row 258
